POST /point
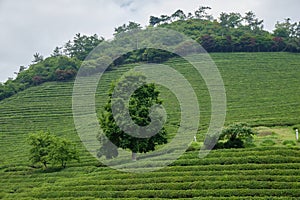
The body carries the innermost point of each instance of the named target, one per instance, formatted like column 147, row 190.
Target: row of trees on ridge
column 230, row 32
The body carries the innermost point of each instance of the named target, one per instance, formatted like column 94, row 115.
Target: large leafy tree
column 286, row 29
column 139, row 106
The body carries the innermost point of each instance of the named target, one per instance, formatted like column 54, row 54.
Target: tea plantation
column 262, row 89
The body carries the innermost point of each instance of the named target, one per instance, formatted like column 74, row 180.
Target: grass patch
column 194, row 146
column 267, row 142
column 279, row 135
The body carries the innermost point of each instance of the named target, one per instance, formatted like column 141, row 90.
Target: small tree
column 57, row 52
column 201, row 13
column 47, row 148
column 236, row 136
column 41, row 147
column 154, row 20
column 37, row 58
column 139, row 106
column 179, row 14
column 126, row 28
column 81, row 46
column 62, row 151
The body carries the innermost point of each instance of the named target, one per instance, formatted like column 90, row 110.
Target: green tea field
column 262, row 90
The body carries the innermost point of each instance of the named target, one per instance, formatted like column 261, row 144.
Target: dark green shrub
column 236, row 143
column 289, row 143
column 236, row 136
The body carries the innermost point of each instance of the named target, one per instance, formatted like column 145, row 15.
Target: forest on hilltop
column 230, row 32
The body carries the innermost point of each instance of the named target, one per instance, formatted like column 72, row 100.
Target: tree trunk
column 45, row 165
column 133, row 156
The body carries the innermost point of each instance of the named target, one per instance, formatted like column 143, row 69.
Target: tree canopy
column 81, row 45
column 139, row 106
column 50, row 149
column 236, row 136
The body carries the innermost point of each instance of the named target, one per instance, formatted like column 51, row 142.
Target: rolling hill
column 262, row 89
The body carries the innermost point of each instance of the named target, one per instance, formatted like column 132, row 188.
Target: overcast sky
column 30, row 26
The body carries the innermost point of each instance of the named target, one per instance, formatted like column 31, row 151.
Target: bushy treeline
column 58, row 68
column 233, row 32
column 62, row 65
column 230, row 32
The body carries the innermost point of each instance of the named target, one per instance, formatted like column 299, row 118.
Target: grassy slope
column 262, row 89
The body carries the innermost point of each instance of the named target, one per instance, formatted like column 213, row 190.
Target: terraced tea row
column 188, row 181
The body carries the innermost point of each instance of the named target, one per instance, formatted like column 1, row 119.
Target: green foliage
column 258, row 80
column 232, row 32
column 8, row 89
column 57, row 68
column 194, row 146
column 253, row 23
column 289, row 143
column 47, row 148
column 81, row 46
column 223, row 174
column 51, row 69
column 286, row 29
column 267, row 172
column 126, row 28
column 37, row 58
column 236, row 136
column 231, row 20
column 63, row 151
column 268, row 142
column 42, row 144
column 258, row 173
column 62, row 65
column 139, row 106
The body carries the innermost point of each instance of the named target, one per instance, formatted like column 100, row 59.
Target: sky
column 38, row 26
